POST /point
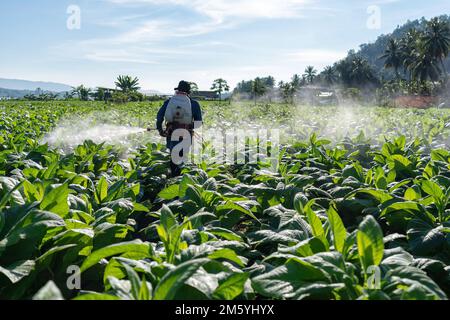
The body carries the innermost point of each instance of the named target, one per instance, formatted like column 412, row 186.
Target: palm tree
column 127, row 84
column 220, row 86
column 269, row 82
column 393, row 57
column 329, row 75
column 304, row 81
column 296, row 81
column 258, row 88
column 310, row 74
column 68, row 95
column 100, row 94
column 408, row 48
column 437, row 40
column 82, row 92
column 194, row 87
column 287, row 91
column 424, row 67
column 51, row 96
column 361, row 72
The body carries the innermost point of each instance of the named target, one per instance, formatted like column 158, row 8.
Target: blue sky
column 163, row 41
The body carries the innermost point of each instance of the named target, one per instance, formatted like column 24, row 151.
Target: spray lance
column 195, row 134
column 149, row 129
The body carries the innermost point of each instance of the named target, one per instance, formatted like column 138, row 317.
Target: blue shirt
column 196, row 113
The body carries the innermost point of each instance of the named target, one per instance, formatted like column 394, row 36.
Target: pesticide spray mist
column 73, row 132
column 73, row 136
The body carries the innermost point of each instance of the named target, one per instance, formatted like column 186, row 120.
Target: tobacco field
column 359, row 208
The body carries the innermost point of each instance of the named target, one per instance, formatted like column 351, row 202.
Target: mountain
column 373, row 51
column 14, row 84
column 15, row 94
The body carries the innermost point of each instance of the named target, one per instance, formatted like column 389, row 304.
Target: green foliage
column 312, row 230
column 370, row 243
column 127, row 84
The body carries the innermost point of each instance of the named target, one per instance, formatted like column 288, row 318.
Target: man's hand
column 162, row 133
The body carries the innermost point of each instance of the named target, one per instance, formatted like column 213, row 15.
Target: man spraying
column 182, row 115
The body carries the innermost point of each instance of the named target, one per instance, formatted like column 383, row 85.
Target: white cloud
column 219, row 14
column 116, row 56
column 146, row 32
column 220, row 10
column 119, row 21
column 157, row 33
column 157, row 30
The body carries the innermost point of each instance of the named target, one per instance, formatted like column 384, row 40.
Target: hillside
column 10, row 93
column 373, row 51
column 15, row 84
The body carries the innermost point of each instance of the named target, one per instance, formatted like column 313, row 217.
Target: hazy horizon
column 161, row 42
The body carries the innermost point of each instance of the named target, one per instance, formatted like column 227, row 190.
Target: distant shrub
column 353, row 94
column 119, row 97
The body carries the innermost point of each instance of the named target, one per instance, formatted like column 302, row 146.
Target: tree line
column 417, row 59
column 127, row 90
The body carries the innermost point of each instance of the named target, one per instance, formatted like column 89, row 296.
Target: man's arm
column 160, row 116
column 197, row 114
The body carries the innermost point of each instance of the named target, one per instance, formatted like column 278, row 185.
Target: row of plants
column 347, row 218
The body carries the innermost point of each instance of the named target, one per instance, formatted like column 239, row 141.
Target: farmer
column 182, row 115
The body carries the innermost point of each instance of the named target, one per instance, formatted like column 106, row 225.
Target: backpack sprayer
column 179, row 112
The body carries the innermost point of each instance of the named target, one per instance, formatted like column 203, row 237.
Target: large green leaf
column 49, row 292
column 227, row 254
column 370, row 243
column 338, row 229
column 18, row 270
column 412, row 284
column 185, row 182
column 225, row 234
column 101, row 190
column 424, row 238
column 380, row 196
column 107, row 233
column 29, row 231
column 168, row 219
column 236, row 206
column 398, row 214
column 432, row 189
column 300, row 201
column 305, row 248
column 170, row 192
column 9, row 192
column 56, row 201
column 136, row 247
column 232, row 287
column 314, row 222
column 175, row 279
column 116, row 191
column 282, row 282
